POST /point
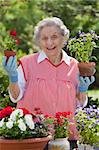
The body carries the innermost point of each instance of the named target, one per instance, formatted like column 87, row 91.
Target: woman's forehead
column 50, row 29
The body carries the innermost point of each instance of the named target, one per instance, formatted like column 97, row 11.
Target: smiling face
column 51, row 41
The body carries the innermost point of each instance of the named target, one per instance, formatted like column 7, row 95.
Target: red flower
column 48, row 116
column 58, row 115
column 37, row 110
column 17, row 41
column 13, row 33
column 6, row 112
column 61, row 117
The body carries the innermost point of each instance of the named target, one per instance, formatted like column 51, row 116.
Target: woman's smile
column 51, row 49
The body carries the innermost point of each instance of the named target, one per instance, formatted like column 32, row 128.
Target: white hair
column 50, row 21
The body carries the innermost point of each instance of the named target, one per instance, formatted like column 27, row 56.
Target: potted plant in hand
column 81, row 47
column 19, row 129
column 88, row 127
column 9, row 43
column 59, row 126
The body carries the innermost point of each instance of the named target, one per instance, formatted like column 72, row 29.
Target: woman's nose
column 49, row 41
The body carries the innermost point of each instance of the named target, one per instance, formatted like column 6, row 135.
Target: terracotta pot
column 86, row 69
column 25, row 144
column 9, row 53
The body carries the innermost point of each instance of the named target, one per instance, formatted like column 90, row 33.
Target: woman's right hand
column 11, row 68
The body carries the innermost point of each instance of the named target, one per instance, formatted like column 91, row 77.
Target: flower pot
column 9, row 53
column 24, row 144
column 59, row 144
column 85, row 147
column 96, row 147
column 86, row 68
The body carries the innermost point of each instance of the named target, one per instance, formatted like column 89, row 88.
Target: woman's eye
column 54, row 37
column 44, row 38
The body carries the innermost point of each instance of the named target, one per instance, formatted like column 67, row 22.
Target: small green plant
column 88, row 125
column 93, row 101
column 9, row 41
column 5, row 101
column 82, row 46
column 59, row 124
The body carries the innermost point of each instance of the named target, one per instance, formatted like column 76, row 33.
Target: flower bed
column 88, row 125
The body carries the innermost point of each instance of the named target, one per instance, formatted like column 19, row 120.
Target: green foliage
column 82, row 46
column 92, row 101
column 22, row 16
column 9, row 41
column 61, row 131
column 77, row 15
column 3, row 79
column 4, row 96
column 5, row 101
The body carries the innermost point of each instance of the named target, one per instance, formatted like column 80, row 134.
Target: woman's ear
column 64, row 41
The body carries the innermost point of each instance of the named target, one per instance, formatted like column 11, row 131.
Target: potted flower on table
column 88, row 127
column 19, row 129
column 59, row 127
column 81, row 47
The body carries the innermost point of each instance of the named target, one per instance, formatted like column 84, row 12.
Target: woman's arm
column 83, row 98
column 16, row 78
column 14, row 90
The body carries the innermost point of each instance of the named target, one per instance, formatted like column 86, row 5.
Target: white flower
column 29, row 121
column 89, row 126
column 16, row 113
column 2, row 122
column 21, row 125
column 97, row 133
column 9, row 124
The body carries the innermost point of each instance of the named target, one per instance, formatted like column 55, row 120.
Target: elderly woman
column 49, row 78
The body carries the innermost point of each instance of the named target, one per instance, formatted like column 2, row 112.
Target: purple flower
column 84, row 39
column 94, row 106
column 83, row 125
column 92, row 32
column 88, row 117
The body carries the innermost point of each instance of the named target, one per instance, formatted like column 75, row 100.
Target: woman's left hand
column 82, row 97
column 85, row 82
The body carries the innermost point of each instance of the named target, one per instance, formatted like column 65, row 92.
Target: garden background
column 23, row 15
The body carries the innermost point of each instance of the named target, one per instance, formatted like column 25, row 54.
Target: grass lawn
column 93, row 93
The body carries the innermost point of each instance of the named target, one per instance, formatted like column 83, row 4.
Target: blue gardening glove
column 11, row 68
column 85, row 82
